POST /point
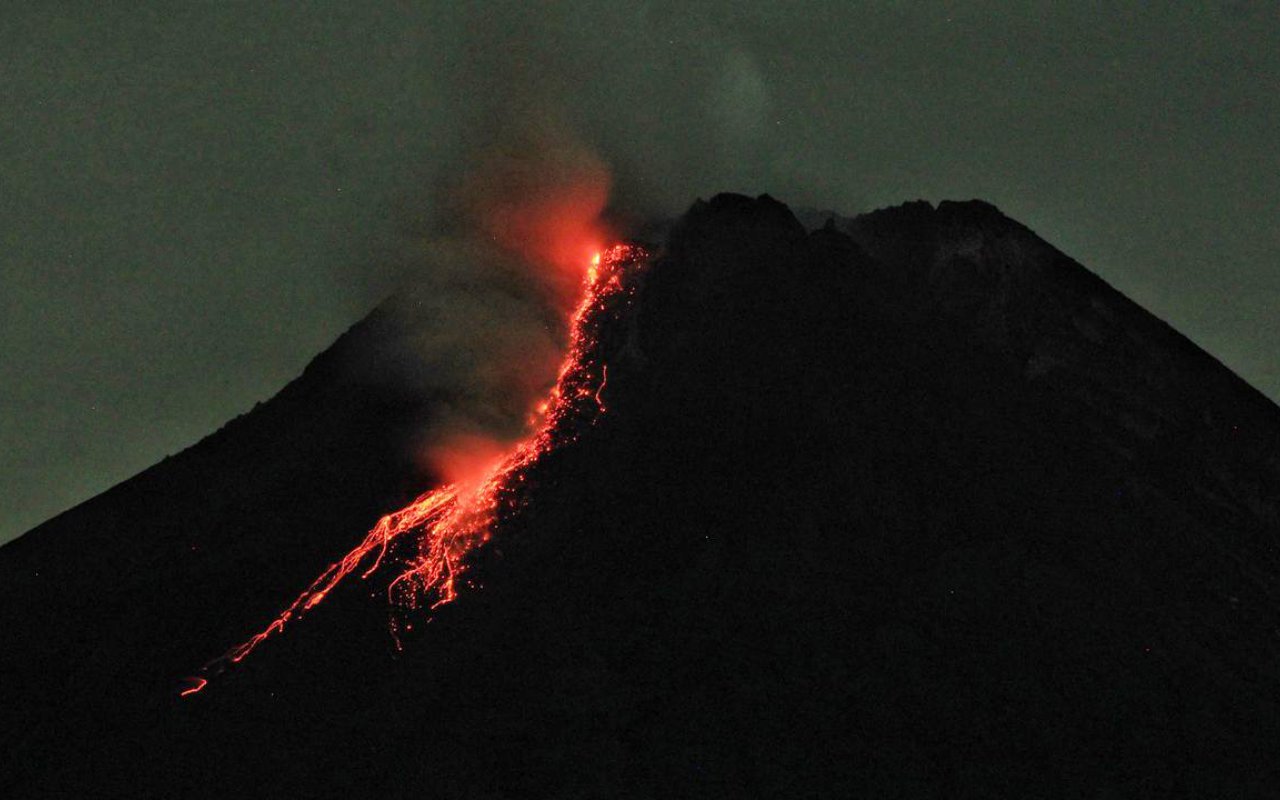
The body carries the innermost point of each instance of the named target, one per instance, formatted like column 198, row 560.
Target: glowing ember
column 196, row 685
column 593, row 271
column 452, row 520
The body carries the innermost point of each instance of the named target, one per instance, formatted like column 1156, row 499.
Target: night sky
column 197, row 198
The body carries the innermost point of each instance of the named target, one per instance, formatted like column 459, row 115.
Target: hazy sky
column 194, row 197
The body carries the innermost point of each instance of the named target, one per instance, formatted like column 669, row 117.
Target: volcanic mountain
column 909, row 504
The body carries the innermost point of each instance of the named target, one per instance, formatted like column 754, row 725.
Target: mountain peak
column 738, row 213
column 914, row 490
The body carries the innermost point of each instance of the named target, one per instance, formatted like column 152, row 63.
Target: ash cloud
column 480, row 321
column 551, row 111
column 675, row 102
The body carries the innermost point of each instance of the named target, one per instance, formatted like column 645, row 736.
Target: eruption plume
column 496, row 273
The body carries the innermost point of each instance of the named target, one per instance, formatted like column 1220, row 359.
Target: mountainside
column 908, row 505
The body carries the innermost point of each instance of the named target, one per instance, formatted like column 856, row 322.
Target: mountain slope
column 910, row 505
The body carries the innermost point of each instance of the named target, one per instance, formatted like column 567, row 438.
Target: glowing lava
column 453, row 519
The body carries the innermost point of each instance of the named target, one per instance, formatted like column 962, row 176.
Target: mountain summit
column 909, row 504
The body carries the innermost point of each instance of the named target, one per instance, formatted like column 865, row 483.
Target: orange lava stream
column 454, row 519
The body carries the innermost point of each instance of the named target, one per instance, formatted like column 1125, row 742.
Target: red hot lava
column 453, row 519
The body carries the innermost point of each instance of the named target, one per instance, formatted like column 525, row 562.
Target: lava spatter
column 452, row 520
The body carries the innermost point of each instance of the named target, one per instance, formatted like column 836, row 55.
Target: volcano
column 906, row 504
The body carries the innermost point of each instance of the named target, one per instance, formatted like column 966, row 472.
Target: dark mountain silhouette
column 909, row 505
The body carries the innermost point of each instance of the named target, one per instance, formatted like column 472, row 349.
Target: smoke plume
column 481, row 320
column 494, row 249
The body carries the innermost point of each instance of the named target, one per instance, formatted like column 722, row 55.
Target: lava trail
column 453, row 519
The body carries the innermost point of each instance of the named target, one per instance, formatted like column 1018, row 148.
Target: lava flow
column 453, row 519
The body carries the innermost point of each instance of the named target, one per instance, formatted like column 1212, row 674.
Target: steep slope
column 108, row 604
column 909, row 505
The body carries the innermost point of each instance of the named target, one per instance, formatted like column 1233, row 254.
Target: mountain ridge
column 871, row 488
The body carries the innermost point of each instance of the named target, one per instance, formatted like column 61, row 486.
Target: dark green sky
column 192, row 197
